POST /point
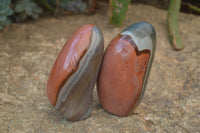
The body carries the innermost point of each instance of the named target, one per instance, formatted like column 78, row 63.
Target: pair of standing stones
column 121, row 72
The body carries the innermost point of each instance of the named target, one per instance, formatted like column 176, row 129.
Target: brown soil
column 28, row 50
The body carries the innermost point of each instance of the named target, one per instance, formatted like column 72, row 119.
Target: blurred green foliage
column 119, row 8
column 5, row 11
column 172, row 24
column 20, row 10
column 26, row 8
column 65, row 5
column 73, row 5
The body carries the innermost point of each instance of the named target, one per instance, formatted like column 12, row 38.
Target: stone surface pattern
column 68, row 60
column 171, row 102
column 73, row 76
column 125, row 69
column 121, row 77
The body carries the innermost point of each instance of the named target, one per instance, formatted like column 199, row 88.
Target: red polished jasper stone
column 121, row 77
column 68, row 60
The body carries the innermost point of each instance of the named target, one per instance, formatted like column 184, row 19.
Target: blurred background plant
column 20, row 10
column 73, row 6
column 24, row 9
column 5, row 11
column 119, row 8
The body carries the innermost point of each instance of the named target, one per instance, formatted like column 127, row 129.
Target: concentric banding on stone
column 74, row 73
column 144, row 36
column 125, row 69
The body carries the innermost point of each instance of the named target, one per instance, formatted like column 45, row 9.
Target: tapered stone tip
column 143, row 34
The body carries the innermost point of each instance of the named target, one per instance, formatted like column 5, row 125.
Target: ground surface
column 27, row 52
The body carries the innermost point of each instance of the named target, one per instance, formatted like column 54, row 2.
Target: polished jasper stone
column 125, row 68
column 73, row 76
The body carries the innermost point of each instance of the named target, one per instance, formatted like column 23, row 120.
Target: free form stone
column 73, row 76
column 125, row 68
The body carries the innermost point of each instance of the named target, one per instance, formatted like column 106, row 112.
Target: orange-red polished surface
column 121, row 77
column 68, row 60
